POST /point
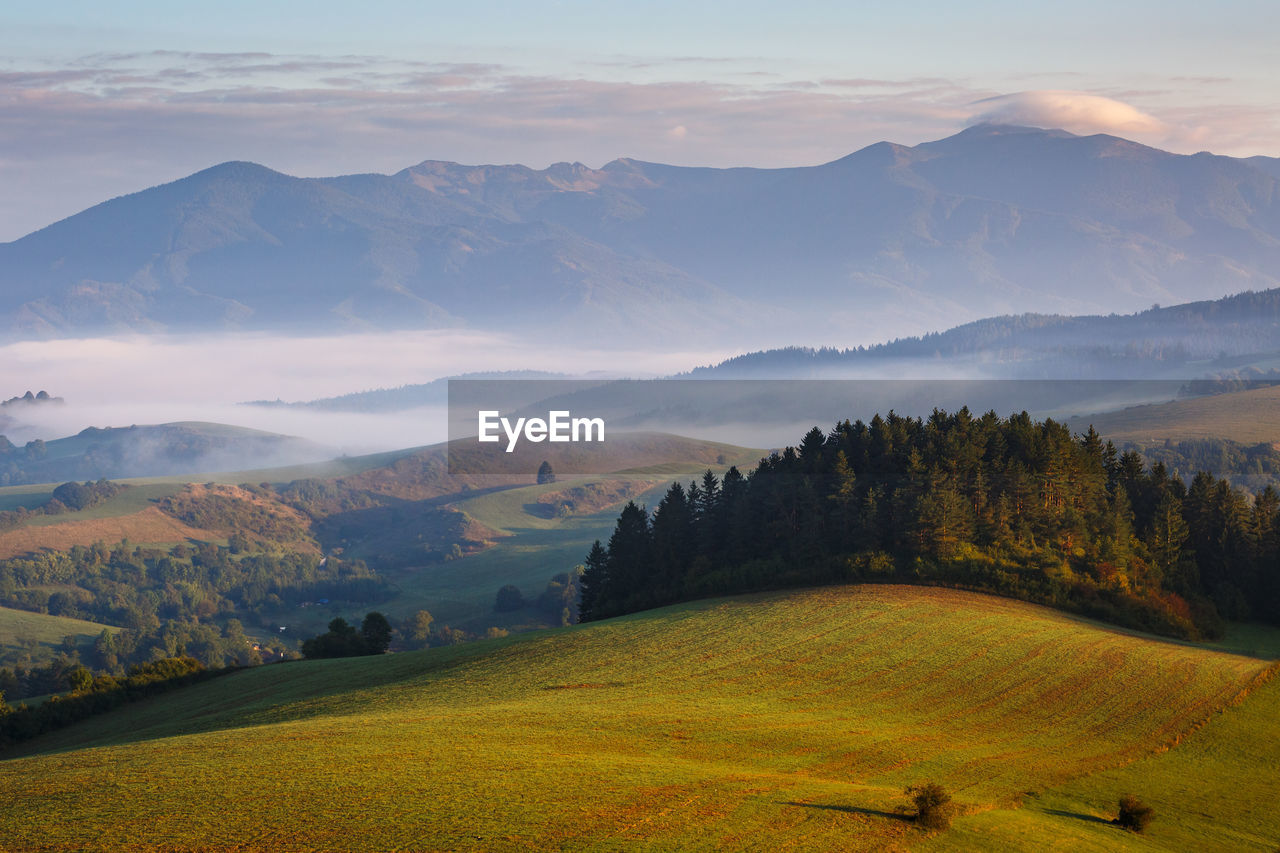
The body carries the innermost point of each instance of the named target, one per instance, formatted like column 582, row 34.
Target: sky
column 98, row 100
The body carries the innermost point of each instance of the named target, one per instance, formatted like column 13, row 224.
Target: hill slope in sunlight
column 784, row 721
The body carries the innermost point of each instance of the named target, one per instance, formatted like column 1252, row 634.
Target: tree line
column 96, row 695
column 1007, row 505
column 189, row 598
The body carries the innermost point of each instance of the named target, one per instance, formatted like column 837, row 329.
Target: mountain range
column 890, row 239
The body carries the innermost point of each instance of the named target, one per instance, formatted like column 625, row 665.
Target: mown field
column 772, row 722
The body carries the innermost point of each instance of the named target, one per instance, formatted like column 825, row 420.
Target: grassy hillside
column 146, row 526
column 766, row 722
column 39, row 634
column 538, row 543
column 1247, row 417
column 1216, row 791
column 161, row 449
column 532, row 548
column 399, row 512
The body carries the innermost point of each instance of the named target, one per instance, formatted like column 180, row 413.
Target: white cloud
column 1078, row 112
column 113, row 124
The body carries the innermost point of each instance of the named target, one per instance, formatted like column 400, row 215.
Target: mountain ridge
column 995, row 219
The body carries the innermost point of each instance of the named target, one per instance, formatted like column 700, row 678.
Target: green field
column 40, row 634
column 461, row 592
column 769, row 722
column 1216, row 791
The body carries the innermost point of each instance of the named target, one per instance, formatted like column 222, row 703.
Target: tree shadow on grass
column 853, row 810
column 1079, row 816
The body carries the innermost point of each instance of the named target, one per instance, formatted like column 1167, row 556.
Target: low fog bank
column 141, row 380
column 118, row 382
column 768, row 413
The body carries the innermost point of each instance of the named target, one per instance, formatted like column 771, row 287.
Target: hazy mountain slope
column 994, row 219
column 150, row 451
column 1191, row 340
column 241, row 246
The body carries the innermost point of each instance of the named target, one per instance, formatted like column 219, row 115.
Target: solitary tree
column 508, row 599
column 420, row 629
column 375, row 630
column 1134, row 814
column 545, row 474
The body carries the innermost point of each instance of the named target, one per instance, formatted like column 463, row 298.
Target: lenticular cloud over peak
column 1078, row 112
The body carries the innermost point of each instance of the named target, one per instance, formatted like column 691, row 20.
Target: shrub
column 933, row 805
column 1134, row 814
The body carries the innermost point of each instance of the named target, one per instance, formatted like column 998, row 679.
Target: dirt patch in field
column 148, row 525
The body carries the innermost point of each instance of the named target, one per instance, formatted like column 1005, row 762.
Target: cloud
column 1079, row 112
column 76, row 134
column 125, row 122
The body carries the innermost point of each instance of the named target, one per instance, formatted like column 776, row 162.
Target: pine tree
column 595, row 580
column 630, row 563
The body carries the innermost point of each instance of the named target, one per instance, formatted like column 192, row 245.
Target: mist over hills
column 151, row 450
column 993, row 220
column 1237, row 337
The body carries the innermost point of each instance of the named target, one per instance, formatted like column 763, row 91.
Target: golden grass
column 149, row 525
column 770, row 722
column 1248, row 417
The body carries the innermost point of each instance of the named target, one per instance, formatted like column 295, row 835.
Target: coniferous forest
column 1011, row 506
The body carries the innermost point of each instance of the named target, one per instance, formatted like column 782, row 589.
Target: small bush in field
column 1134, row 814
column 933, row 805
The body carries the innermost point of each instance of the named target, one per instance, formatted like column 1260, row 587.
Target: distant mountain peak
column 988, row 129
column 240, row 170
column 891, row 239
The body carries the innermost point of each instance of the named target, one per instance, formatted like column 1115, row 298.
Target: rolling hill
column 406, row 514
column 995, row 219
column 187, row 447
column 39, row 636
column 767, row 722
column 1250, row 416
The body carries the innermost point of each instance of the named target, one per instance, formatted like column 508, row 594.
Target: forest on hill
column 1012, row 506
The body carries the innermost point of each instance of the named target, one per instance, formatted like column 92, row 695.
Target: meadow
column 1247, row 417
column 767, row 722
column 40, row 635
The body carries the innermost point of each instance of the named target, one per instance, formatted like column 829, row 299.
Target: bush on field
column 933, row 805
column 1134, row 814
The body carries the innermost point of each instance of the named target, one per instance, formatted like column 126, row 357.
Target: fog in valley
column 118, row 382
